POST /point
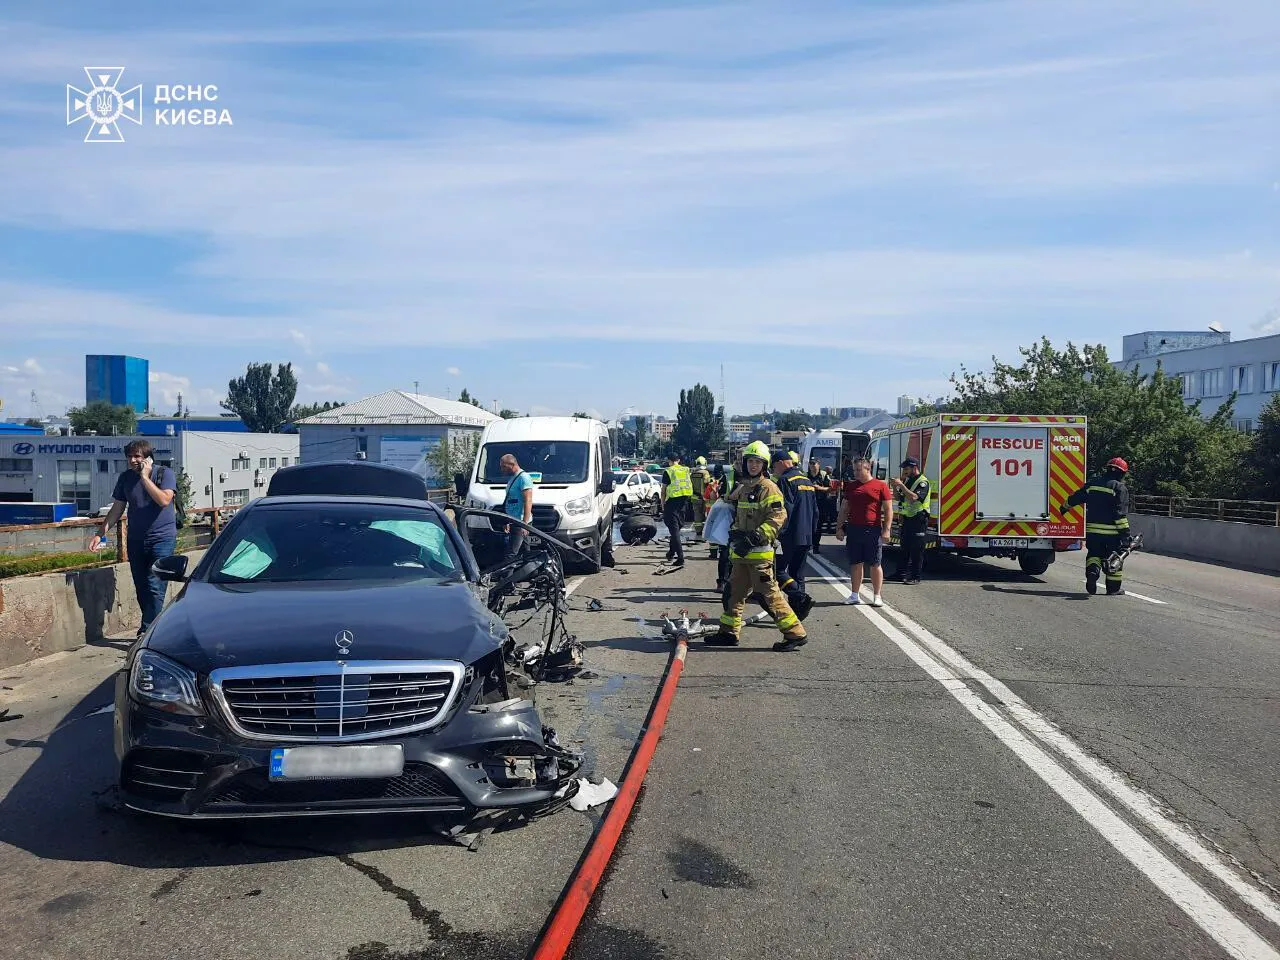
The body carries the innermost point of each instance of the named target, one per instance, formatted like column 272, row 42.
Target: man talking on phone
column 147, row 491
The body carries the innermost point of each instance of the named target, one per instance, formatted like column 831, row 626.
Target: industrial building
column 1211, row 367
column 395, row 427
column 119, row 380
column 225, row 469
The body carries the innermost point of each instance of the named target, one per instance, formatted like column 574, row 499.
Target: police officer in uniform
column 821, row 480
column 758, row 514
column 796, row 536
column 1106, row 526
column 913, row 496
column 677, row 491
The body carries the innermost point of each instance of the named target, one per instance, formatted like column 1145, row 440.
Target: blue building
column 119, row 380
column 170, row 426
column 1211, row 367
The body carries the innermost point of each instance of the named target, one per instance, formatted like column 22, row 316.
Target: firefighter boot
column 1091, row 577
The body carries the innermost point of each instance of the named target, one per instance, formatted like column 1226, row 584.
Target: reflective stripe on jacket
column 920, row 487
column 679, row 483
column 757, row 505
column 1106, row 504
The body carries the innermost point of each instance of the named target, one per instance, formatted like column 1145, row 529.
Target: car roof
column 541, row 428
column 346, row 478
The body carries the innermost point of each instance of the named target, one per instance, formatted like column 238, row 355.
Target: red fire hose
column 558, row 933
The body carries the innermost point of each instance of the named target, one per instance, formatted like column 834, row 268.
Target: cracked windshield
column 640, row 480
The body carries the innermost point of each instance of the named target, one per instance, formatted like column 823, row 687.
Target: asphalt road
column 904, row 786
column 862, row 798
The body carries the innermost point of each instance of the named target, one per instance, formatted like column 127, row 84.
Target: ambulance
column 998, row 481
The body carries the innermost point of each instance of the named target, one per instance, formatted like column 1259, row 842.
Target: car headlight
column 577, row 507
column 164, row 684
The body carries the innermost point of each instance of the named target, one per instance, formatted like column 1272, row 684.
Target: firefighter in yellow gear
column 758, row 514
column 701, row 477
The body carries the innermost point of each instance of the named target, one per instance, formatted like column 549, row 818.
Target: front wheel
column 1035, row 562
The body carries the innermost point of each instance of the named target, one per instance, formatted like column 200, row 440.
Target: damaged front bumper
column 487, row 758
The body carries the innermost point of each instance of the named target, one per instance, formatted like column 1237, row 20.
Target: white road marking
column 1200, row 905
column 573, row 584
column 1130, row 593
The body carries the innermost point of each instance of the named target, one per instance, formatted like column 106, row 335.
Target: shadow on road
column 1023, row 591
column 62, row 808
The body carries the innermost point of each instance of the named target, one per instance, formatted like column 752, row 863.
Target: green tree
column 262, row 401
column 582, row 416
column 699, row 424
column 508, row 414
column 103, row 417
column 454, row 454
column 794, row 420
column 1170, row 447
column 1261, row 471
column 301, row 411
column 33, row 422
column 466, row 397
column 182, row 493
column 642, row 424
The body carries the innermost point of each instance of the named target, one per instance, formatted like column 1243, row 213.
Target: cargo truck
column 997, row 481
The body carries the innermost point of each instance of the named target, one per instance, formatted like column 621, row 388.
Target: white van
column 570, row 462
column 825, row 445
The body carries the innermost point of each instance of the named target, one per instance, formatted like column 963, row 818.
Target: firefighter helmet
column 702, row 461
column 1119, row 463
column 758, row 450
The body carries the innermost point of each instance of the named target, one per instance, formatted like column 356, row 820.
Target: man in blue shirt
column 147, row 491
column 517, row 503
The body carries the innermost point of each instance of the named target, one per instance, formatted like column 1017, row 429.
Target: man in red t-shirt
column 866, row 517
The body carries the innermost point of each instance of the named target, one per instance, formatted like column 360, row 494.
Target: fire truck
column 997, row 481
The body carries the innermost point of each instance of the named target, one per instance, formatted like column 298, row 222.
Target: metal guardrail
column 1262, row 512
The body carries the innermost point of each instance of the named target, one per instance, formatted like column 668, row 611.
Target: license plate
column 1019, row 542
column 337, row 763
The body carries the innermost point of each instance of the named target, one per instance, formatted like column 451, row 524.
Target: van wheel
column 1035, row 562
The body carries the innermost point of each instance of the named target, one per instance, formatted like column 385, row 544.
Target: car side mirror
column 173, row 569
column 606, row 483
column 461, row 483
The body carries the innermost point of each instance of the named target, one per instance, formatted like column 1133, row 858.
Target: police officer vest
column 913, row 508
column 679, row 483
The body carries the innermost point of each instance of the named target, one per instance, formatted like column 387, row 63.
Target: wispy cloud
column 936, row 181
column 301, row 340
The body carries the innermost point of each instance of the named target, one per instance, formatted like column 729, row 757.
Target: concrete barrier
column 69, row 536
column 1238, row 544
column 52, row 612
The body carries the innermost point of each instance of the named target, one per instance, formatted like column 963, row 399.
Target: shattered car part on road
column 339, row 654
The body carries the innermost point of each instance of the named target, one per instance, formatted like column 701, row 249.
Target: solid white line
column 573, row 584
column 1130, row 593
column 1200, row 905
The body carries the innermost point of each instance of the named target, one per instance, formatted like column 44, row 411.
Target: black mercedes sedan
column 330, row 654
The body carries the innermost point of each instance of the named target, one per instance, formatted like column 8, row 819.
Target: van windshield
column 827, row 457
column 559, row 461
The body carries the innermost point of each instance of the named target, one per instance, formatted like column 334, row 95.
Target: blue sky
column 589, row 206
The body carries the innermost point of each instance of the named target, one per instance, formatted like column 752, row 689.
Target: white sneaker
column 876, row 601
column 852, row 599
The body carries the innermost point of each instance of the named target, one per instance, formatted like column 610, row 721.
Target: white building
column 83, row 470
column 395, row 427
column 1211, row 368
column 739, row 432
column 662, row 429
column 906, row 405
